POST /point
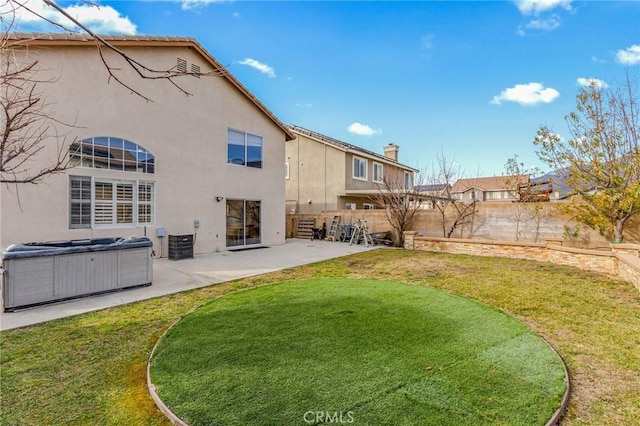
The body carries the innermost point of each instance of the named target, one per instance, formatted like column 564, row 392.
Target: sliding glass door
column 243, row 223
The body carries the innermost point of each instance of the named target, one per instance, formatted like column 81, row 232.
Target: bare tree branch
column 455, row 213
column 27, row 122
column 400, row 202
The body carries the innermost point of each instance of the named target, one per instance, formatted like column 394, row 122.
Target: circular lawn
column 354, row 351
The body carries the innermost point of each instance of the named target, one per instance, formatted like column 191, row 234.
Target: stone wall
column 620, row 261
column 628, row 269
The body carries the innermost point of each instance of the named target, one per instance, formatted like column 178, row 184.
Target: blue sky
column 473, row 79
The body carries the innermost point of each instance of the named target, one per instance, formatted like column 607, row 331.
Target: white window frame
column 368, row 206
column 113, row 204
column 377, row 179
column 408, row 180
column 366, row 165
column 286, row 170
column 151, row 203
column 82, row 203
column 248, row 138
column 82, row 153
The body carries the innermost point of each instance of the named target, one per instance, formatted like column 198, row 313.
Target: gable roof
column 347, row 147
column 492, row 183
column 59, row 39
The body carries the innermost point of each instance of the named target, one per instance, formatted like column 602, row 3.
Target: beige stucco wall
column 316, row 173
column 187, row 135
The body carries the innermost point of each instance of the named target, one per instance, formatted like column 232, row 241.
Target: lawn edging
column 562, row 410
column 152, row 388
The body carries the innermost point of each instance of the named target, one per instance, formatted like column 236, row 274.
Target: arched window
column 107, row 152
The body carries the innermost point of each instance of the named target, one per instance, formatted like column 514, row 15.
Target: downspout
column 325, row 176
column 298, row 173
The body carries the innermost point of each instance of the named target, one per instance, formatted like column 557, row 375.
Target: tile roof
column 346, row 146
column 87, row 37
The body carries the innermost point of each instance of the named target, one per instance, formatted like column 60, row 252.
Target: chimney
column 391, row 151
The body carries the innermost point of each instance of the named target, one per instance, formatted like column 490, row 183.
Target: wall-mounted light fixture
column 218, row 199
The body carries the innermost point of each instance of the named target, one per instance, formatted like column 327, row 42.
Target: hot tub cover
column 55, row 248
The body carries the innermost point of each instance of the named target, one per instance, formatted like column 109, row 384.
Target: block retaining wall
column 621, row 261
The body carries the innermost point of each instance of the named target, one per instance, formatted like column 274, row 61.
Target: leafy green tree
column 601, row 158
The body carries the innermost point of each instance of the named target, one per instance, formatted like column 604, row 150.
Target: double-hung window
column 106, row 202
column 377, row 172
column 359, row 168
column 408, row 181
column 80, row 202
column 244, row 149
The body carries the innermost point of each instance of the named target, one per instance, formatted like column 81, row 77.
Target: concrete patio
column 205, row 269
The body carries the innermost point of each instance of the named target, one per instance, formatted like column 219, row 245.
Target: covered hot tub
column 39, row 273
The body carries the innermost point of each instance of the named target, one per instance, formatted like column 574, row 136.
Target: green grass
column 91, row 369
column 380, row 352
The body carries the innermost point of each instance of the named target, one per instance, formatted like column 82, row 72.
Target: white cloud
column 301, row 105
column 197, row 4
column 549, row 24
column 629, row 56
column 263, row 68
column 100, row 19
column 597, row 60
column 534, row 7
column 362, row 129
column 527, row 94
column 427, row 41
column 592, row 82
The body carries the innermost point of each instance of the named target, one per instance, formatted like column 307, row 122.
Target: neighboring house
column 323, row 173
column 495, row 188
column 432, row 193
column 208, row 164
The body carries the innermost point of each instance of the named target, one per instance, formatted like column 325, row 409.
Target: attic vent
column 195, row 70
column 181, row 65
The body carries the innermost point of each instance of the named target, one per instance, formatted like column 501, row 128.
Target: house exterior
column 433, row 192
column 494, row 188
column 323, row 173
column 207, row 164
